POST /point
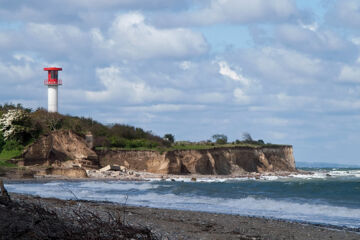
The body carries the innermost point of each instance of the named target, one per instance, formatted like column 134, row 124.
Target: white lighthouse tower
column 53, row 82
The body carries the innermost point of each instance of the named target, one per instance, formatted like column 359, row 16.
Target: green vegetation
column 169, row 137
column 5, row 156
column 115, row 135
column 184, row 145
column 20, row 126
column 10, row 150
column 220, row 138
column 16, row 131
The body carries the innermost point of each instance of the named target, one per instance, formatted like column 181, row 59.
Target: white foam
column 345, row 173
column 325, row 214
column 210, row 179
column 321, row 174
column 314, row 175
column 202, row 179
column 117, row 185
column 270, row 178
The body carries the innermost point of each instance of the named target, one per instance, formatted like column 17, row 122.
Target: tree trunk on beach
column 4, row 194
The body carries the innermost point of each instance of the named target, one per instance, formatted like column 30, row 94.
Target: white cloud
column 49, row 41
column 233, row 11
column 185, row 65
column 95, row 4
column 79, row 12
column 124, row 90
column 210, row 97
column 131, row 37
column 273, row 121
column 240, row 96
column 165, row 108
column 350, row 74
column 312, row 27
column 128, row 37
column 55, row 38
column 309, row 39
column 225, row 70
column 16, row 73
column 24, row 57
column 296, row 102
column 345, row 13
column 343, row 105
column 356, row 40
column 283, row 65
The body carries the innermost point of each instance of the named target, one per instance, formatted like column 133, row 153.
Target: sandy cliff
column 60, row 148
column 222, row 161
column 65, row 149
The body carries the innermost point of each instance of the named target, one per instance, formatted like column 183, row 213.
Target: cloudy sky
column 286, row 71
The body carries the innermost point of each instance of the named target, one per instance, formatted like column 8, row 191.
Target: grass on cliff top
column 7, row 155
column 195, row 147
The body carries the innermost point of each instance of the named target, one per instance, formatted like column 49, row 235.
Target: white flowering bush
column 15, row 124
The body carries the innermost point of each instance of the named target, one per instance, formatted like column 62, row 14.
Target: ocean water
column 329, row 196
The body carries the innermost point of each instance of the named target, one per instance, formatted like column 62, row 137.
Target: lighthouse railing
column 54, row 82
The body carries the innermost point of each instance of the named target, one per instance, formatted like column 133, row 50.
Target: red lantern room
column 53, row 76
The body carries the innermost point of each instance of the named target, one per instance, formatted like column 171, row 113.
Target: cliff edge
column 66, row 149
column 221, row 161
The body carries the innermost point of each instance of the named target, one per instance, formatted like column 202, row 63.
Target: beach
column 322, row 204
column 175, row 224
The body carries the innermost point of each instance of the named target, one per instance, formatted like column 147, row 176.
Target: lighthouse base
column 52, row 98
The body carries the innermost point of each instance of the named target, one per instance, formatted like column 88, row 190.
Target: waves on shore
column 323, row 199
column 319, row 174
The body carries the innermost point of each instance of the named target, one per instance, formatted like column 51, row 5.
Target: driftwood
column 4, row 194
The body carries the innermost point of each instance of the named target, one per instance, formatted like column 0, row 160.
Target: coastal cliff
column 65, row 149
column 60, row 148
column 220, row 161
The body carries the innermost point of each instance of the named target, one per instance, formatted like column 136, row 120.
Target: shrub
column 220, row 138
column 16, row 125
column 136, row 143
column 42, row 122
column 169, row 137
column 12, row 145
column 117, row 142
column 247, row 137
column 141, row 143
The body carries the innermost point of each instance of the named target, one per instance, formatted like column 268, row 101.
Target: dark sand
column 174, row 224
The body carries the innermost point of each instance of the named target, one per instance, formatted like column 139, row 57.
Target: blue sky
column 285, row 71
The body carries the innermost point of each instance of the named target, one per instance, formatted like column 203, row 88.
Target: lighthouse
column 53, row 82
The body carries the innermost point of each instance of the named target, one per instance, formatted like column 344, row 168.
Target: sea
column 329, row 197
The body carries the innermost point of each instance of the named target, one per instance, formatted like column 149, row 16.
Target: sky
column 285, row 71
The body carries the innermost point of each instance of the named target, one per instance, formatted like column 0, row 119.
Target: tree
column 220, row 138
column 53, row 121
column 16, row 125
column 247, row 137
column 169, row 137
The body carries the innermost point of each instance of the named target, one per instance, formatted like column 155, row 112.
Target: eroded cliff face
column 67, row 149
column 58, row 148
column 222, row 161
